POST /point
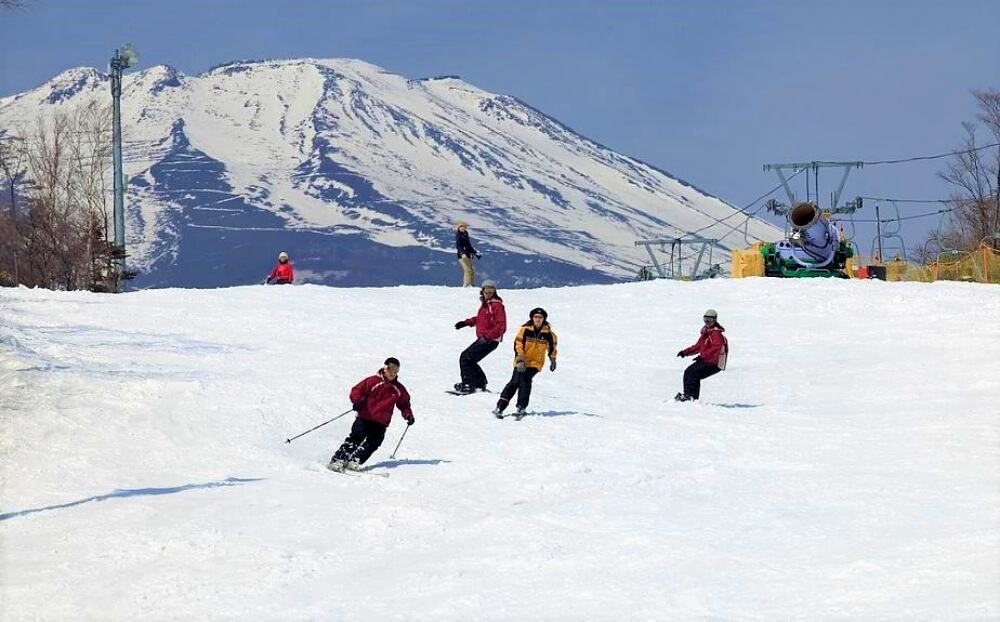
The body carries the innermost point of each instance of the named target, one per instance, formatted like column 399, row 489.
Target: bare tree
column 12, row 166
column 91, row 155
column 64, row 234
column 974, row 171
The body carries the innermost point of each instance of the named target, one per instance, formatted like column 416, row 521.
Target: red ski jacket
column 282, row 273
column 491, row 321
column 378, row 397
column 712, row 346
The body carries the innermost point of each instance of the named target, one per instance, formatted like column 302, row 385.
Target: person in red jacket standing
column 712, row 349
column 491, row 324
column 283, row 273
column 374, row 399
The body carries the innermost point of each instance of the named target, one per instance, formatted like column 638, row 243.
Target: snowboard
column 454, row 392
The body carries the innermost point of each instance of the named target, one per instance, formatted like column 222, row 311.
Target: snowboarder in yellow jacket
column 534, row 340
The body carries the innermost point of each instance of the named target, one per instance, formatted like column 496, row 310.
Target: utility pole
column 122, row 60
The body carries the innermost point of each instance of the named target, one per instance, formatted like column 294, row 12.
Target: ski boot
column 498, row 413
column 353, row 465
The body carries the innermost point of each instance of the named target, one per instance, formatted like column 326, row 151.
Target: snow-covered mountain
column 360, row 174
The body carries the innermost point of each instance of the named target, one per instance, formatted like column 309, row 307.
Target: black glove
column 680, row 354
column 520, row 365
column 552, row 365
column 357, row 406
column 410, row 420
column 459, row 325
column 478, row 256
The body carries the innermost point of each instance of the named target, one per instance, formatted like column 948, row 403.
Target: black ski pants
column 694, row 374
column 365, row 437
column 468, row 362
column 520, row 383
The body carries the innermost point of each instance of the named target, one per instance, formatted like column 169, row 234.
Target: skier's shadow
column 559, row 413
column 738, row 405
column 134, row 492
column 392, row 464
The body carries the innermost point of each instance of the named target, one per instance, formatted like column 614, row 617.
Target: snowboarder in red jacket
column 283, row 273
column 374, row 399
column 491, row 324
column 712, row 349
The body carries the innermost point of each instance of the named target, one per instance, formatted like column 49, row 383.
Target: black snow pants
column 520, row 383
column 694, row 374
column 366, row 436
column 468, row 362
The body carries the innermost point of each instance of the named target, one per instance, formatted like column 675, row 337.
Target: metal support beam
column 814, row 166
column 674, row 265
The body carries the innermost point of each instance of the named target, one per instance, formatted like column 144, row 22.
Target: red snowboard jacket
column 712, row 346
column 491, row 320
column 282, row 273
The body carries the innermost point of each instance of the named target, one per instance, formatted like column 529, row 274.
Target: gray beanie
column 712, row 313
column 488, row 283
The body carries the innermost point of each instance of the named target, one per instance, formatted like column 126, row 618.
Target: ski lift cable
column 743, row 210
column 931, row 157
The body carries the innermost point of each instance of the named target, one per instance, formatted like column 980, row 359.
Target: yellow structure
column 979, row 266
column 748, row 262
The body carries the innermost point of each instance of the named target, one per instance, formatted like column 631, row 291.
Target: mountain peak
column 342, row 163
column 72, row 82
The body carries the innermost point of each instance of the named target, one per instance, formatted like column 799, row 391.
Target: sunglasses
column 708, row 318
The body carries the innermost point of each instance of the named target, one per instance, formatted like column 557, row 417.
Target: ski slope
column 845, row 467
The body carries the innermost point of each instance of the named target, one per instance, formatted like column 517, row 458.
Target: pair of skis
column 357, row 473
column 516, row 415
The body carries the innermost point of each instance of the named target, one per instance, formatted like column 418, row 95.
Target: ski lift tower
column 122, row 60
column 673, row 268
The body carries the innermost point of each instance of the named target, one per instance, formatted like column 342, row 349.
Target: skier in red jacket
column 283, row 273
column 373, row 398
column 712, row 349
column 491, row 324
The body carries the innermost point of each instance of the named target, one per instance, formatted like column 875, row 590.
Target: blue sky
column 707, row 90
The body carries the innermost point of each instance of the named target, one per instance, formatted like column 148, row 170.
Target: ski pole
column 392, row 456
column 289, row 440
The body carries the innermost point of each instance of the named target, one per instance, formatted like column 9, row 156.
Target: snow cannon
column 814, row 248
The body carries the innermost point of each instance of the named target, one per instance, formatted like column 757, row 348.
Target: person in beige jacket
column 465, row 254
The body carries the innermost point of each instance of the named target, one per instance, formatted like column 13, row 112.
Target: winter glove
column 460, row 325
column 410, row 420
column 478, row 255
column 552, row 365
column 680, row 354
column 357, row 406
column 520, row 365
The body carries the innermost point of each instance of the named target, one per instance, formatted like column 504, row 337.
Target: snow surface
column 844, row 467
